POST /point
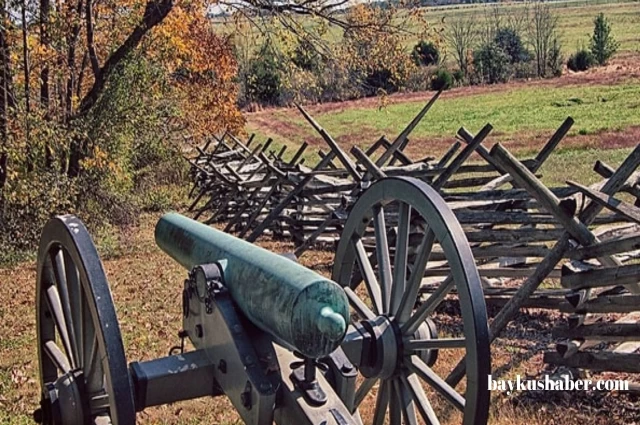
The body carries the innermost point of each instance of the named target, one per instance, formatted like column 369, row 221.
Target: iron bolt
column 346, row 367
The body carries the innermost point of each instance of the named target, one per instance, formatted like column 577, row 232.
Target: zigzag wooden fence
column 521, row 232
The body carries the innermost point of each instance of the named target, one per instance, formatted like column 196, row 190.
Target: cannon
column 282, row 342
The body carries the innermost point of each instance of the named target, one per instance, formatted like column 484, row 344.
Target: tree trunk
column 155, row 12
column 6, row 96
column 45, row 11
column 27, row 86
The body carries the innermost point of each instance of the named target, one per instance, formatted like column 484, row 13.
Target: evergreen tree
column 603, row 45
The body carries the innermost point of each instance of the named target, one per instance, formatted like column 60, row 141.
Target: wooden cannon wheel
column 83, row 370
column 397, row 220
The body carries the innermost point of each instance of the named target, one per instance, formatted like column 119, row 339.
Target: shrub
column 492, row 64
column 381, row 78
column 509, row 40
column 603, row 46
column 458, row 77
column 581, row 60
column 419, row 79
column 264, row 81
column 335, row 83
column 523, row 69
column 425, row 53
column 306, row 57
column 441, row 80
column 300, row 86
column 555, row 59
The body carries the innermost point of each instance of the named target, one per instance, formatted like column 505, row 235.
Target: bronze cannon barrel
column 301, row 309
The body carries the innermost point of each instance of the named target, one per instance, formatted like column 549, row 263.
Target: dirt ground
column 146, row 287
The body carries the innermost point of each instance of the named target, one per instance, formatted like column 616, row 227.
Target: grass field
column 575, row 21
column 604, row 103
column 525, row 109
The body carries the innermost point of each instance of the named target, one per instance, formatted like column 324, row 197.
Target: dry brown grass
column 146, row 288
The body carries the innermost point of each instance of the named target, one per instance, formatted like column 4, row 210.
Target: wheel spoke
column 412, row 383
column 57, row 356
column 437, row 383
column 369, row 276
column 427, row 307
column 381, row 403
column 405, row 400
column 382, row 254
column 94, row 376
column 363, row 390
column 55, row 306
column 400, row 259
column 59, row 271
column 415, row 278
column 395, row 415
column 89, row 340
column 75, row 300
column 359, row 306
column 434, row 344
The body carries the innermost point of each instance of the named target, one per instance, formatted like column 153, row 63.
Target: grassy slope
column 594, row 108
column 606, row 117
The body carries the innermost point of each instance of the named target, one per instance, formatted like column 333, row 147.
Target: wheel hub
column 63, row 402
column 383, row 346
column 427, row 330
column 380, row 357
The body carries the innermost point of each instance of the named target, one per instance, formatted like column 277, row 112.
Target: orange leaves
column 202, row 66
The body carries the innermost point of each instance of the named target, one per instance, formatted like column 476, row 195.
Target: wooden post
column 462, row 156
column 335, row 148
column 507, row 312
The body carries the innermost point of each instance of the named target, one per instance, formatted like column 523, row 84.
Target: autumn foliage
column 94, row 98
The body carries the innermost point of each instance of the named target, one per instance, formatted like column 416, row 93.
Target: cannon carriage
column 283, row 343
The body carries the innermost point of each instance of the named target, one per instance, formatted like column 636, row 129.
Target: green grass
column 575, row 22
column 524, row 109
column 577, row 165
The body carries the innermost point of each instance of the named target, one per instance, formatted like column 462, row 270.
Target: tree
column 425, row 53
column 462, row 36
column 510, row 42
column 376, row 59
column 543, row 36
column 91, row 92
column 6, row 96
column 492, row 63
column 264, row 81
column 306, row 57
column 602, row 44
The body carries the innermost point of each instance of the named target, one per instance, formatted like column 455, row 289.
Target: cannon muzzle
column 301, row 309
